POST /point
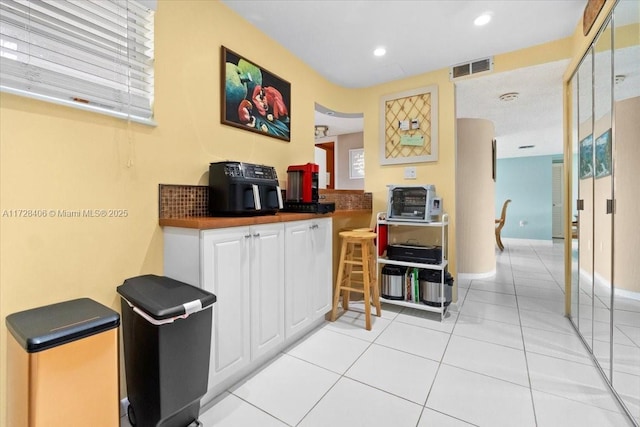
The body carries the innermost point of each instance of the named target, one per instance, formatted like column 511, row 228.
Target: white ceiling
column 337, row 38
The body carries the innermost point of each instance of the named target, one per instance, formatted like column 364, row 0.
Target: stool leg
column 366, row 275
column 374, row 280
column 346, row 293
column 336, row 291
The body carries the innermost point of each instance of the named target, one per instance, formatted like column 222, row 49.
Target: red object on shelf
column 382, row 238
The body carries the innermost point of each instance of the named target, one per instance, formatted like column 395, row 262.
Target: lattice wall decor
column 409, row 126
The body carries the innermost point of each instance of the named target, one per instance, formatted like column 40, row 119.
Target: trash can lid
column 46, row 327
column 162, row 297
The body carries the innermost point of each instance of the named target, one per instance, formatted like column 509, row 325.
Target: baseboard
column 535, row 242
column 605, row 285
column 476, row 276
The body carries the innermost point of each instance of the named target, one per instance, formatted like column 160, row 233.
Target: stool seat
column 357, row 266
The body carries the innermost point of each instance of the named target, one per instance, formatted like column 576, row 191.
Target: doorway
column 325, row 158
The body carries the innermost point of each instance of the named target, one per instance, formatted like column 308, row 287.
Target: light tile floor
column 505, row 355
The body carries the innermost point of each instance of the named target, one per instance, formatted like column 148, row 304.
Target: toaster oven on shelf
column 413, row 203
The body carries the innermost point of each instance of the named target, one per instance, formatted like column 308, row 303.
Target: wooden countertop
column 204, row 223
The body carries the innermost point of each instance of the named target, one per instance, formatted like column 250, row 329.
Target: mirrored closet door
column 625, row 366
column 605, row 297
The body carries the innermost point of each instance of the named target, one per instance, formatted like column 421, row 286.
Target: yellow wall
column 55, row 158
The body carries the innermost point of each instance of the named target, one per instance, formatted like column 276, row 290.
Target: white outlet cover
column 410, row 172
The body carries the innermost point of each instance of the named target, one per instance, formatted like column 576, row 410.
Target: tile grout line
column 524, row 347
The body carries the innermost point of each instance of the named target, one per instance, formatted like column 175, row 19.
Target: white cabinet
column 244, row 268
column 226, row 272
column 267, row 288
column 397, row 227
column 308, row 273
column 265, row 277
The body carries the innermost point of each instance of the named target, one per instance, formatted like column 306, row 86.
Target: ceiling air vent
column 469, row 68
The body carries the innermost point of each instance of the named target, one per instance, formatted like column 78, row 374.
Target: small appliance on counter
column 418, row 203
column 243, row 189
column 302, row 190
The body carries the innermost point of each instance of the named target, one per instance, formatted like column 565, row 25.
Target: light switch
column 410, row 172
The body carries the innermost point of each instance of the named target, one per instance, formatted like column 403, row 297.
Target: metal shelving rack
column 443, row 224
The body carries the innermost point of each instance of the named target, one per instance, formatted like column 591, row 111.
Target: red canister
column 382, row 238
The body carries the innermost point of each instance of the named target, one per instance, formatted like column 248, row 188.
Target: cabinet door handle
column 610, row 206
column 256, row 235
column 246, row 236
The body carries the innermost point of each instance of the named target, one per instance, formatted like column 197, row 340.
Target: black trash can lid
column 164, row 298
column 46, row 327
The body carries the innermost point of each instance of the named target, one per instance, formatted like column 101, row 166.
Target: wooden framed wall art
column 254, row 99
column 409, row 126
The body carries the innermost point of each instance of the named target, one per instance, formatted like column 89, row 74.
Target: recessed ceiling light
column 509, row 96
column 482, row 19
column 380, row 51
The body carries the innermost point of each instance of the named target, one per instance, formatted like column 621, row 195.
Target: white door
column 321, row 250
column 299, row 276
column 267, row 288
column 225, row 262
column 557, row 193
column 320, row 158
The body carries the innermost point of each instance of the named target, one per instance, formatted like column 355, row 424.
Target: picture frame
column 253, row 98
column 409, row 126
column 603, row 155
column 585, row 157
column 356, row 163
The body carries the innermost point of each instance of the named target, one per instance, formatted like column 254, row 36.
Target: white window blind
column 93, row 54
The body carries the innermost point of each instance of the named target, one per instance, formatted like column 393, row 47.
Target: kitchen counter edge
column 205, row 223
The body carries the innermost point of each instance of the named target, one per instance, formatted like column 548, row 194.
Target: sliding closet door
column 602, row 198
column 626, row 180
column 575, row 234
column 585, row 197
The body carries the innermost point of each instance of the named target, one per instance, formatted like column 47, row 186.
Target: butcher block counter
column 208, row 222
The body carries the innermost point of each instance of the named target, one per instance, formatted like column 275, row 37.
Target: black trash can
column 166, row 329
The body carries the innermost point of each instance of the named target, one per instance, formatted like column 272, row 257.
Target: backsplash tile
column 183, row 201
column 347, row 200
column 188, row 201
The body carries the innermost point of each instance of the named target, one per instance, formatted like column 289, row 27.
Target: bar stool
column 357, row 266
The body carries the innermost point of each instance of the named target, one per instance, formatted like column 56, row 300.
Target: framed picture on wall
column 356, row 163
column 254, row 99
column 586, row 157
column 603, row 155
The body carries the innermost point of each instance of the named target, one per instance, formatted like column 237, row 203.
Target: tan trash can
column 63, row 366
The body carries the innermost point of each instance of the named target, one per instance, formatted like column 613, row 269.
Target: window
column 356, row 163
column 96, row 55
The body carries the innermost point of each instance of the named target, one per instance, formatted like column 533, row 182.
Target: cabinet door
column 267, row 288
column 225, row 270
column 299, row 276
column 321, row 249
